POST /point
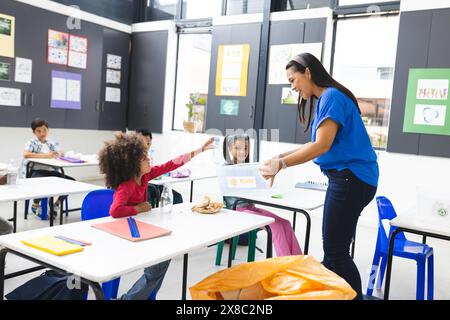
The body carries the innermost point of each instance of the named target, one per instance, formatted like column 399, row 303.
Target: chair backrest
column 96, row 204
column 386, row 211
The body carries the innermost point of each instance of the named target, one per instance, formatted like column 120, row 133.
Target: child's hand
column 208, row 144
column 143, row 207
column 52, row 154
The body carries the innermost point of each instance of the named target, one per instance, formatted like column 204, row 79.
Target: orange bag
column 282, row 278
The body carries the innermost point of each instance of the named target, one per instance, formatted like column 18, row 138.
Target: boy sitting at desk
column 40, row 147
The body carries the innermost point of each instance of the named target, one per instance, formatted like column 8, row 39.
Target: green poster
column 428, row 102
column 229, row 107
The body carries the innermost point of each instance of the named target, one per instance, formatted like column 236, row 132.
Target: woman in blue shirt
column 341, row 147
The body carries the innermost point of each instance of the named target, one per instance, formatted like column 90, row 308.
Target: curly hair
column 120, row 159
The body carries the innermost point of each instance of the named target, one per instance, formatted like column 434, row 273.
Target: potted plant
column 191, row 124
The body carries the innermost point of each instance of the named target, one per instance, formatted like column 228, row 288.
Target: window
column 285, row 5
column 353, row 2
column 194, row 56
column 244, row 6
column 162, row 9
column 196, row 9
column 364, row 61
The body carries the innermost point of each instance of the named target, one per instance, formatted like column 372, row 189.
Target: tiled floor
column 201, row 262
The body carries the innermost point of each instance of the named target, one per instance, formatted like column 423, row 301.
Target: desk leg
column 294, row 222
column 184, row 287
column 192, row 190
column 424, row 239
column 3, row 253
column 230, row 252
column 389, row 263
column 308, row 231
column 50, row 213
column 61, row 210
column 269, row 242
column 98, row 292
column 14, row 218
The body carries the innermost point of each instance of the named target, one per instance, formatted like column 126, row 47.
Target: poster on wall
column 7, row 35
column 113, row 61
column 112, row 94
column 232, row 70
column 58, row 46
column 427, row 102
column 112, row 76
column 229, row 107
column 5, row 71
column 280, row 55
column 289, row 96
column 23, row 70
column 66, row 90
column 78, row 48
column 10, row 97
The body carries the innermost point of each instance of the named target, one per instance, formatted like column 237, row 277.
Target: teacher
column 341, row 147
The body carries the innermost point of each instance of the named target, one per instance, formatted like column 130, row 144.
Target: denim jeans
column 150, row 281
column 345, row 199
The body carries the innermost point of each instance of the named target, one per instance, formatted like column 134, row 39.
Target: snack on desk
column 208, row 206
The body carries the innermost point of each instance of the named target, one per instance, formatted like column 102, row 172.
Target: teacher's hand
column 269, row 169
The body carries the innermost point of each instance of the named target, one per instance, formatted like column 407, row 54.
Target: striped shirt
column 36, row 146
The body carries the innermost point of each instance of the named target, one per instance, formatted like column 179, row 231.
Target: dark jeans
column 345, row 199
column 46, row 173
column 154, row 191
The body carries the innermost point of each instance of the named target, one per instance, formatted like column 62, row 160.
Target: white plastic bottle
column 166, row 199
column 11, row 177
column 152, row 156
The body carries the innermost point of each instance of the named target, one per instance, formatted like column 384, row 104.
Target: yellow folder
column 53, row 245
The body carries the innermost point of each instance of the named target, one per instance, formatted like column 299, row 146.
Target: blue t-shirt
column 351, row 148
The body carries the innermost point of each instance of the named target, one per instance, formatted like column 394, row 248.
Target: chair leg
column 115, row 287
column 219, row 253
column 25, row 213
column 430, row 278
column 373, row 273
column 235, row 241
column 66, row 200
column 44, row 207
column 251, row 246
column 420, row 291
column 382, row 271
column 110, row 288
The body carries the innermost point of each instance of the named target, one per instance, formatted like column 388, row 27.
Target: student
column 42, row 148
column 125, row 163
column 5, row 227
column 177, row 198
column 341, row 147
column 237, row 150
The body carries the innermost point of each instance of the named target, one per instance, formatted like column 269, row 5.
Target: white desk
column 412, row 225
column 294, row 199
column 46, row 187
column 198, row 172
column 110, row 257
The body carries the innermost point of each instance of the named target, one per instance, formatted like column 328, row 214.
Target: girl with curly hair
column 125, row 163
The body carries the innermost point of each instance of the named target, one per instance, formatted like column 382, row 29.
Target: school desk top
column 62, row 164
column 109, row 256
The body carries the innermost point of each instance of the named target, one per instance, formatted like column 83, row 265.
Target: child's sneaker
column 36, row 209
column 56, row 208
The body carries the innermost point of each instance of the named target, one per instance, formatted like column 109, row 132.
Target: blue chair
column 402, row 248
column 96, row 205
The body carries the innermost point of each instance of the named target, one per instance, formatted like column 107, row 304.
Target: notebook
column 71, row 160
column 121, row 229
column 53, row 245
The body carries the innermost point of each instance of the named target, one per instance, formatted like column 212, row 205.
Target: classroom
column 224, row 150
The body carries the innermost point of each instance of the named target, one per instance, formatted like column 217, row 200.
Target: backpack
column 50, row 285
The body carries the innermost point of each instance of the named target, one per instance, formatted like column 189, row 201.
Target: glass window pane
column 194, row 55
column 364, row 63
column 196, row 9
column 353, row 2
column 306, row 4
column 244, row 6
column 162, row 10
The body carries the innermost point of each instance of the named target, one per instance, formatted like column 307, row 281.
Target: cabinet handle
column 24, row 99
column 97, row 105
column 32, row 99
column 252, row 110
column 103, row 106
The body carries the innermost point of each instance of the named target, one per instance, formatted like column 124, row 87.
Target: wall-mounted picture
column 113, row 61
column 57, row 39
column 112, row 76
column 5, row 71
column 77, row 43
column 5, row 26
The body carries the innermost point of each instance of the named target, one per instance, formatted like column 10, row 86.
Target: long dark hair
column 229, row 141
column 320, row 77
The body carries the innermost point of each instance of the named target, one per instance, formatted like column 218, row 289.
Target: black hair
column 145, row 132
column 36, row 123
column 321, row 78
column 228, row 140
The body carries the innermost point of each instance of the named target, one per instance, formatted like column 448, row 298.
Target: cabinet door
column 147, row 80
column 113, row 115
column 88, row 116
